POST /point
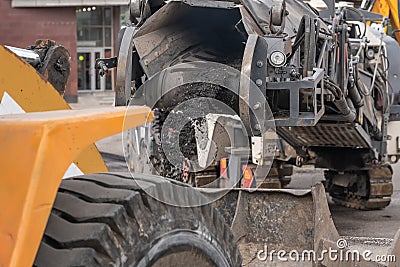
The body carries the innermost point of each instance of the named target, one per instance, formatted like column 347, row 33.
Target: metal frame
column 297, row 117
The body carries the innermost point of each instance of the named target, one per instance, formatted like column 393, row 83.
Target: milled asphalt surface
column 349, row 222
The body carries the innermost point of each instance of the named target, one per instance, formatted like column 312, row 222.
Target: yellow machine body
column 36, row 150
column 33, row 94
column 390, row 9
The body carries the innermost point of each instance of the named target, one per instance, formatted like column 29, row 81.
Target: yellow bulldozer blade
column 33, row 93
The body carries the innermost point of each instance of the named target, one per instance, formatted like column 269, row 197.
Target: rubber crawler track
column 380, row 190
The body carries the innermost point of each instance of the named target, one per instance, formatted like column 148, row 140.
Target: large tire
column 108, row 220
column 154, row 161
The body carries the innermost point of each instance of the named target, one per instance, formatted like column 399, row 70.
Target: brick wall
column 20, row 27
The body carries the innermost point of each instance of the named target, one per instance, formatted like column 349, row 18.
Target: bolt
column 259, row 82
column 257, row 106
column 257, row 127
column 260, row 64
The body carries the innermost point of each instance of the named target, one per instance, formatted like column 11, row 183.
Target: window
column 95, row 39
column 94, row 26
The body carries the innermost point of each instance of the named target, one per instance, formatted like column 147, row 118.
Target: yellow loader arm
column 390, row 9
column 32, row 93
column 36, row 150
column 31, row 174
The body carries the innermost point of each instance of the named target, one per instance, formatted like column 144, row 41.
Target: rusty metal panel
column 275, row 217
column 279, row 219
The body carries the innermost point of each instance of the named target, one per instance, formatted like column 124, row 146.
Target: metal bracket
column 254, row 68
column 104, row 64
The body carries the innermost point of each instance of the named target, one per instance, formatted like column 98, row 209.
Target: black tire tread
column 69, row 257
column 97, row 218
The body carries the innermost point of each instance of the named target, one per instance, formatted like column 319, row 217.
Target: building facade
column 87, row 28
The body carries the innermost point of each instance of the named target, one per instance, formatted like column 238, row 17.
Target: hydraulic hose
column 346, row 108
